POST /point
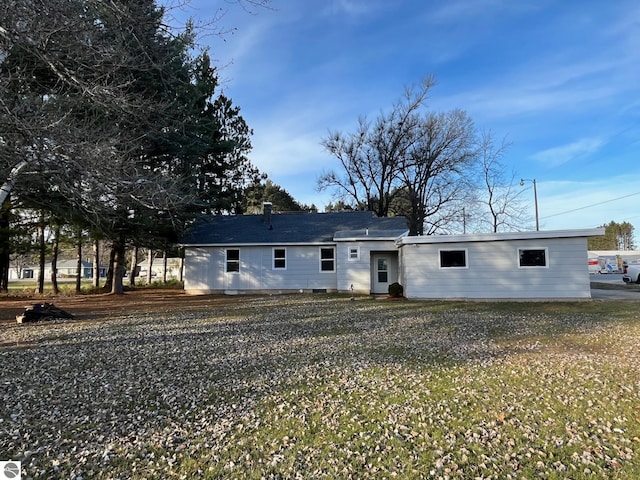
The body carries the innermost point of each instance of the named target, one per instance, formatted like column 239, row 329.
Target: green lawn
column 29, row 287
column 316, row 386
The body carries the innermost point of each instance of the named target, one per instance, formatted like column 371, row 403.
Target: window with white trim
column 453, row 258
column 232, row 260
column 354, row 254
column 533, row 257
column 327, row 259
column 279, row 259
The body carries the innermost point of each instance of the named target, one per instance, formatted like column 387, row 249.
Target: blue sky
column 558, row 79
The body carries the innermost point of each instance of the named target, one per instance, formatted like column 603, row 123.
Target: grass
column 29, row 287
column 317, row 386
column 67, row 286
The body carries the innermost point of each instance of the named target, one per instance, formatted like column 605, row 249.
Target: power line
column 592, row 205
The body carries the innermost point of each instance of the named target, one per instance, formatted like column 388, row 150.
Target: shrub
column 396, row 290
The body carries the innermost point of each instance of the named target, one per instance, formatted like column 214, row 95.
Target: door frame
column 393, row 273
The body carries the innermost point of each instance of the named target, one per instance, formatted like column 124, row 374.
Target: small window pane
column 453, row 258
column 383, row 267
column 533, row 258
column 326, row 253
column 233, row 261
column 354, row 253
column 279, row 258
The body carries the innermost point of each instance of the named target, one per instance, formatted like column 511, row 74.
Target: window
column 453, row 259
column 327, row 259
column 383, row 270
column 532, row 257
column 279, row 258
column 233, row 260
column 354, row 254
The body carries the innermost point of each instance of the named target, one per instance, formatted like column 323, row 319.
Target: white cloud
column 456, row 11
column 278, row 151
column 565, row 153
column 350, row 7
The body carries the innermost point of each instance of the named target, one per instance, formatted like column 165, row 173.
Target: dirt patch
column 103, row 306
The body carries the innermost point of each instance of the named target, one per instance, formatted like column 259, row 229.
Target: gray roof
column 288, row 228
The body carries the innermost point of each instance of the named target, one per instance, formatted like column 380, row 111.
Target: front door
column 384, row 271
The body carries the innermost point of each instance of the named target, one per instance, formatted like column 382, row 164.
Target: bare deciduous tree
column 422, row 158
column 501, row 199
column 370, row 156
column 436, row 171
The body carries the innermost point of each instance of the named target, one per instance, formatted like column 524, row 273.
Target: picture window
column 453, row 259
column 533, row 257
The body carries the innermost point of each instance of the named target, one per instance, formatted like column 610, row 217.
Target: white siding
column 199, row 264
column 205, row 270
column 493, row 270
column 358, row 272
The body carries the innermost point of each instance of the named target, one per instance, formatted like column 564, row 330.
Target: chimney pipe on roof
column 266, row 217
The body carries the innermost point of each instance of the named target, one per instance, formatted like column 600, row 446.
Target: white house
column 341, row 251
column 357, row 252
column 65, row 269
column 518, row 265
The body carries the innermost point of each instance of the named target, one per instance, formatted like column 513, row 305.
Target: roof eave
column 247, row 244
column 502, row 236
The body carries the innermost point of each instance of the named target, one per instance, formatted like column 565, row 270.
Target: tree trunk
column 164, row 266
column 416, row 223
column 96, row 264
column 5, row 248
column 119, row 265
column 7, row 186
column 149, row 265
column 79, row 263
column 42, row 252
column 134, row 266
column 4, row 269
column 108, row 283
column 54, row 260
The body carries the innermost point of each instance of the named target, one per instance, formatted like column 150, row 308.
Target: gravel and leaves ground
column 320, row 386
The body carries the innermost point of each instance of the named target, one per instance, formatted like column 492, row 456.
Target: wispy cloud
column 460, row 10
column 565, row 153
column 350, row 7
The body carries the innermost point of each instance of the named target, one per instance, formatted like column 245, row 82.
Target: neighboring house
column 173, row 265
column 340, row 251
column 69, row 268
column 357, row 252
column 65, row 269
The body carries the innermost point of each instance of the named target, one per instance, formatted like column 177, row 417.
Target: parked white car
column 632, row 273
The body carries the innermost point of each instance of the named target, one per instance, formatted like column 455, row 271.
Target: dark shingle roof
column 285, row 228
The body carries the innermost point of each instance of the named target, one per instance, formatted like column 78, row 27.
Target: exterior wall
column 493, row 270
column 157, row 268
column 205, row 270
column 358, row 272
column 63, row 271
